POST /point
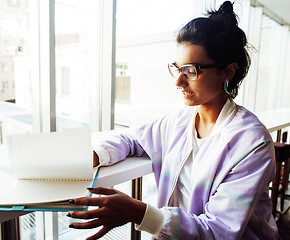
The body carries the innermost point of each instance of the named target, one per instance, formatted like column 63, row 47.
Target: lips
column 188, row 94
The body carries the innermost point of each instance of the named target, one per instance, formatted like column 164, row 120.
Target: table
column 275, row 120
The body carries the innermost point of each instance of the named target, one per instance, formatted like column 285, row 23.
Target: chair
column 280, row 182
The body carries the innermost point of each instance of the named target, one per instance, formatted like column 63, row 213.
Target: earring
column 226, row 85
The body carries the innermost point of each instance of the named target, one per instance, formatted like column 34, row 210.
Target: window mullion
column 35, row 64
column 47, row 93
column 47, row 66
column 95, row 67
column 254, row 38
column 107, row 56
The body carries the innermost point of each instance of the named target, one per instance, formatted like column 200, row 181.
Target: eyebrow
column 184, row 64
column 175, row 64
column 192, row 63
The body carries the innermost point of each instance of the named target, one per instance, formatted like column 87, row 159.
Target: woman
column 213, row 160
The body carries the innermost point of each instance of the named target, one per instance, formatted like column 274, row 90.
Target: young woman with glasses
column 213, row 160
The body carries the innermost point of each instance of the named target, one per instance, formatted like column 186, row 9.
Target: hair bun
column 224, row 14
column 226, row 7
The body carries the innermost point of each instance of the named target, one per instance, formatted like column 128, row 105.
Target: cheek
column 214, row 81
column 215, row 86
column 206, row 88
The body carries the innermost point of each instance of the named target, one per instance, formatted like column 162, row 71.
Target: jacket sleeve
column 117, row 145
column 229, row 208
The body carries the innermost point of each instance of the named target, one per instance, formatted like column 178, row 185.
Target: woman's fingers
column 93, row 224
column 103, row 191
column 95, row 213
column 86, row 225
column 87, row 201
column 100, row 233
column 94, row 201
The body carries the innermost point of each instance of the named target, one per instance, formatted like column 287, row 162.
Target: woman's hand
column 96, row 160
column 115, row 209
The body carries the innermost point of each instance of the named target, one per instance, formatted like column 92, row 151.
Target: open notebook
column 47, row 170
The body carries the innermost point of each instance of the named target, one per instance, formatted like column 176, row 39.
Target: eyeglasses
column 190, row 71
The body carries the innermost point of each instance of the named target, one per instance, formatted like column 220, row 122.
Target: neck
column 206, row 118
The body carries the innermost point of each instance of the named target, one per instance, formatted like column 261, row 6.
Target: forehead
column 191, row 53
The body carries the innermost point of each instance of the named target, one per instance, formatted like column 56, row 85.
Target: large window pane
column 72, row 45
column 269, row 70
column 15, row 68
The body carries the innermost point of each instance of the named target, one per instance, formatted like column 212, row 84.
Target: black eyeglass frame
column 197, row 67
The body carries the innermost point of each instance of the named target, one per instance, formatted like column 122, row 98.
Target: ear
column 231, row 70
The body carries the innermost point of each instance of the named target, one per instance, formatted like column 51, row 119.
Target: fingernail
column 72, row 201
column 90, row 188
column 68, row 214
column 71, row 226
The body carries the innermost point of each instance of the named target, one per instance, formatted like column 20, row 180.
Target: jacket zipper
column 179, row 170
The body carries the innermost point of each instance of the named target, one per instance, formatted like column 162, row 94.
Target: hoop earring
column 226, row 85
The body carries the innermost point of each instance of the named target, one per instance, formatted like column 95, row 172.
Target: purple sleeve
column 120, row 146
column 135, row 142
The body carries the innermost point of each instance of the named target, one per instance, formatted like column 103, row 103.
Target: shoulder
column 181, row 116
column 176, row 121
column 244, row 137
column 246, row 122
column 178, row 117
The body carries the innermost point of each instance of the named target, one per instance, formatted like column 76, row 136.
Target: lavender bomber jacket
column 233, row 169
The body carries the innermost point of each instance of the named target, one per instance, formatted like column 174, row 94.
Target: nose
column 181, row 80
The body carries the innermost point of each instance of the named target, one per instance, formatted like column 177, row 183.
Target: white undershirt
column 183, row 189
column 154, row 219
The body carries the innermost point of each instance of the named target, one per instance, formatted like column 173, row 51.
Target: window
column 123, row 83
column 148, row 40
column 63, row 81
column 15, row 71
column 72, row 35
column 272, row 78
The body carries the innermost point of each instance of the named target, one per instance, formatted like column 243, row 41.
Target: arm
column 116, row 208
column 115, row 147
column 112, row 146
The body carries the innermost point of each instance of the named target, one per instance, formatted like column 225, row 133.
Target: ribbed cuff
column 103, row 155
column 153, row 221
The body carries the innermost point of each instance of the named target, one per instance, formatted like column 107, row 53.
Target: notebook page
column 35, row 191
column 56, row 155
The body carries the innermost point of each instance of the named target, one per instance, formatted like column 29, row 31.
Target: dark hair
column 222, row 39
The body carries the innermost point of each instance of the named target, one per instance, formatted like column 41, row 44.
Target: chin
column 190, row 103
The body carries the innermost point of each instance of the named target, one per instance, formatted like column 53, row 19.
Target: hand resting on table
column 114, row 209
